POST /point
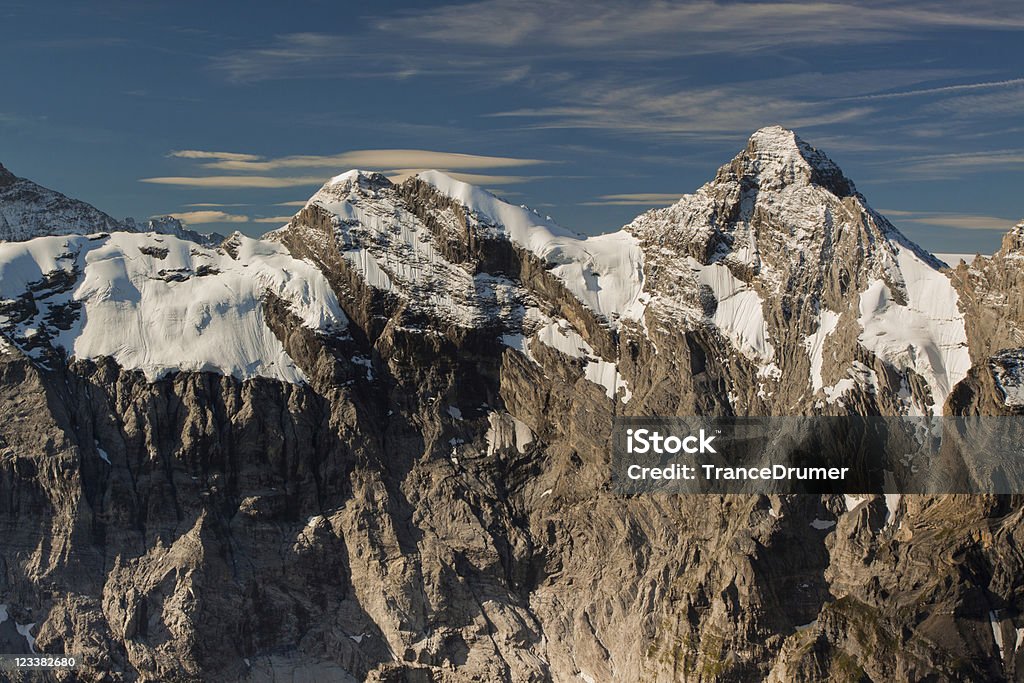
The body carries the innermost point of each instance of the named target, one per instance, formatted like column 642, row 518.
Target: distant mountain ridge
column 29, row 210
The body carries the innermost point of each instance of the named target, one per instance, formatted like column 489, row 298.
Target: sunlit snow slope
column 160, row 304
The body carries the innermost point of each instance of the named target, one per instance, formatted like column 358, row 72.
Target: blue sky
column 228, row 113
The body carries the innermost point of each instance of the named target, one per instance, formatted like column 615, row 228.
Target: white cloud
column 196, row 217
column 202, row 154
column 288, row 53
column 236, row 182
column 964, row 221
column 662, row 107
column 945, row 89
column 515, row 40
column 635, row 199
column 955, row 165
column 553, row 47
column 272, row 219
column 374, row 159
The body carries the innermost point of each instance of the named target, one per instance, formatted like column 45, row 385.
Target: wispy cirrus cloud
column 964, row 221
column 289, row 53
column 701, row 27
column 600, row 65
column 670, row 106
column 635, row 199
column 198, row 217
column 372, row 159
column 661, row 106
column 397, row 164
column 960, row 221
column 227, row 182
column 491, row 37
column 954, row 165
column 940, row 90
column 219, row 156
column 377, row 54
column 272, row 219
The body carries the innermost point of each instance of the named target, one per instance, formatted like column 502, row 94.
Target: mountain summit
column 29, row 210
column 786, row 259
column 776, row 156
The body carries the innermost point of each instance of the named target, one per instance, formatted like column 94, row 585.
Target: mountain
column 169, row 225
column 29, row 210
column 782, row 257
column 375, row 444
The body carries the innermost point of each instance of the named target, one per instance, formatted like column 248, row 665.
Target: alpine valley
column 374, row 444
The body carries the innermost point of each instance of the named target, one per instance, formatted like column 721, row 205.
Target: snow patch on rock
column 892, row 506
column 1008, row 371
column 739, row 311
column 852, row 501
column 927, row 334
column 506, row 431
column 815, row 345
column 560, row 336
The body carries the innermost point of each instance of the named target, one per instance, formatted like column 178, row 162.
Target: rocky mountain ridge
column 29, row 210
column 402, row 472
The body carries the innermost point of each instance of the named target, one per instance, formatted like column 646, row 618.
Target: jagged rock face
column 992, row 292
column 425, row 496
column 169, row 225
column 6, row 177
column 783, row 265
column 29, row 210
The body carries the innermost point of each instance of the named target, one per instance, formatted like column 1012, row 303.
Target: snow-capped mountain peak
column 29, row 210
column 359, row 177
column 421, row 241
column 776, row 157
column 780, row 247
